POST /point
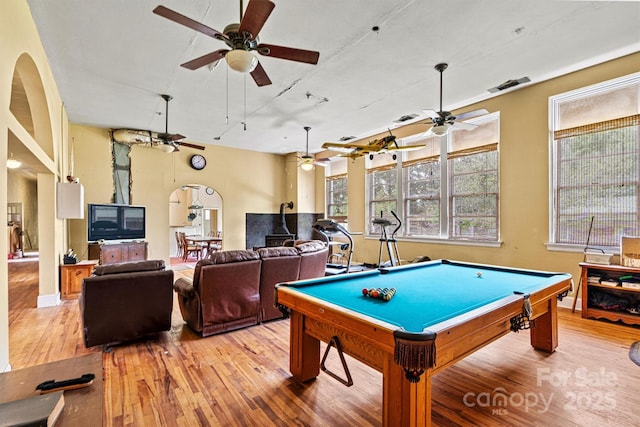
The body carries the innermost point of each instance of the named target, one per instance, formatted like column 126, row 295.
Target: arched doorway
column 195, row 209
column 31, row 186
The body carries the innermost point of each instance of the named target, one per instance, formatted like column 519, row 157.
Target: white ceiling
column 112, row 59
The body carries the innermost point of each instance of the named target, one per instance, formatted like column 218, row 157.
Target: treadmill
column 329, row 229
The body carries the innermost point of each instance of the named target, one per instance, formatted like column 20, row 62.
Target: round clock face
column 198, row 162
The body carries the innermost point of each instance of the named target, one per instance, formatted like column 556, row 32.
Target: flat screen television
column 115, row 222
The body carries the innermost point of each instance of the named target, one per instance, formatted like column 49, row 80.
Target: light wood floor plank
column 242, row 378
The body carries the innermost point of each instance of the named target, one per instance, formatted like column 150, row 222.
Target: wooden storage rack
column 613, row 273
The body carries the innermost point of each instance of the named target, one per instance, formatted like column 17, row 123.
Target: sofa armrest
column 184, row 287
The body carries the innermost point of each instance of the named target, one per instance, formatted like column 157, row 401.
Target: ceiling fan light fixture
column 166, row 148
column 440, row 130
column 241, row 60
column 307, row 164
column 13, row 163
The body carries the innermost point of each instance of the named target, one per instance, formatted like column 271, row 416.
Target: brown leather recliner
column 279, row 264
column 224, row 294
column 122, row 302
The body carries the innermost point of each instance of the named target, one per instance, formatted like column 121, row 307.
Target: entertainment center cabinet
column 611, row 292
column 114, row 253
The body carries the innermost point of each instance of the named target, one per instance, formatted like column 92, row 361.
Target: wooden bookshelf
column 609, row 274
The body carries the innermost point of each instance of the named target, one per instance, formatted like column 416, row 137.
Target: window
column 473, row 200
column 447, row 190
column 336, row 187
column 422, row 190
column 337, row 198
column 382, row 190
column 596, row 164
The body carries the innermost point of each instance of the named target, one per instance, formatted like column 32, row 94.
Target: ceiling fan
column 241, row 39
column 168, row 142
column 443, row 120
column 307, row 161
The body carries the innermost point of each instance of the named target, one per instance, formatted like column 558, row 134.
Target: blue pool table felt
column 426, row 295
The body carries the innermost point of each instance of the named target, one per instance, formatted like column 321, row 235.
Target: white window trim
column 554, row 102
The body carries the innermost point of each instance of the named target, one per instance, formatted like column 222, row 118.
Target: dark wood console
column 114, row 253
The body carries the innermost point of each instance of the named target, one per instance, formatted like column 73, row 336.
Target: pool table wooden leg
column 544, row 336
column 404, row 403
column 304, row 354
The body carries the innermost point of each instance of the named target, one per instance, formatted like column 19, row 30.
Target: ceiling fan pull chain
column 227, row 117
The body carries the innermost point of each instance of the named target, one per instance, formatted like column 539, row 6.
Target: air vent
column 405, row 118
column 346, row 138
column 509, row 84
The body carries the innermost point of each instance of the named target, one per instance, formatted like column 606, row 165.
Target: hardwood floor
column 242, row 378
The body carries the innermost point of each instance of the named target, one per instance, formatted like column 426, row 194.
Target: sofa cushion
column 279, row 264
column 222, row 257
column 276, row 251
column 128, row 267
column 225, row 257
column 310, row 246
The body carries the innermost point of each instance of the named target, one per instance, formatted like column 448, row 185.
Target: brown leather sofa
column 122, row 302
column 313, row 258
column 235, row 289
column 279, row 264
column 224, row 294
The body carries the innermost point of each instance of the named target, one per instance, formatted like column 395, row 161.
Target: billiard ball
column 365, row 291
column 375, row 293
column 479, row 274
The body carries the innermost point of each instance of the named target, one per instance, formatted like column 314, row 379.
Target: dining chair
column 188, row 248
column 179, row 242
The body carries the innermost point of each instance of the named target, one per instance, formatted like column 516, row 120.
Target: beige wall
column 524, row 180
column 44, row 144
column 155, row 175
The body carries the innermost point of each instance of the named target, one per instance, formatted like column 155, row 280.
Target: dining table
column 206, row 242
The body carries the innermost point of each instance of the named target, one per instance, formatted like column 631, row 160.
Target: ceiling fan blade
column 187, row 144
column 175, row 137
column 255, row 16
column 260, row 76
column 470, row 114
column 292, row 54
column 188, row 22
column 463, row 126
column 207, row 59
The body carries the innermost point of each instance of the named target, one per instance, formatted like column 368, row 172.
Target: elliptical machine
column 388, row 240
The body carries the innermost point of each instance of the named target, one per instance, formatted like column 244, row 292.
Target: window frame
column 329, row 194
column 554, row 106
column 402, row 197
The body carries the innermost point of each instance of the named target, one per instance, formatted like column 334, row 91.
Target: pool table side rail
column 475, row 266
column 314, row 307
column 455, row 338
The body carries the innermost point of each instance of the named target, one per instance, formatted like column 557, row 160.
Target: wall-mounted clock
column 198, row 162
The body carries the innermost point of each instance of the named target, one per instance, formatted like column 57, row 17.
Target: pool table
column 441, row 312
